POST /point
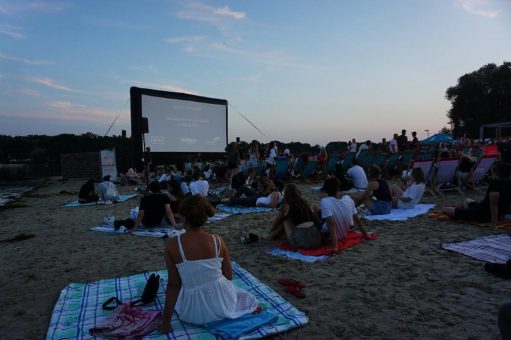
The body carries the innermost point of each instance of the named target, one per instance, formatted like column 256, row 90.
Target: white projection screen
column 178, row 122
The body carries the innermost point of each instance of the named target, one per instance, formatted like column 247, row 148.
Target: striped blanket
column 79, row 307
column 239, row 210
column 494, row 249
column 122, row 198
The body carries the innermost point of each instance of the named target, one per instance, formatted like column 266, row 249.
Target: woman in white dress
column 199, row 286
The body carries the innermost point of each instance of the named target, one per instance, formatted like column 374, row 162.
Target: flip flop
column 291, row 283
column 295, row 291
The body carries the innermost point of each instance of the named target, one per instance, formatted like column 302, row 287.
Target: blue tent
column 437, row 139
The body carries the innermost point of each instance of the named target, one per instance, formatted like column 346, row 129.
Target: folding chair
column 347, row 160
column 426, row 166
column 444, row 173
column 480, row 170
column 330, row 165
column 379, row 158
column 281, row 167
column 309, row 168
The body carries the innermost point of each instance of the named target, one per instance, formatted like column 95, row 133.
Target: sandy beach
column 402, row 285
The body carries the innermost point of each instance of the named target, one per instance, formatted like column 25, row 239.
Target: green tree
column 480, row 97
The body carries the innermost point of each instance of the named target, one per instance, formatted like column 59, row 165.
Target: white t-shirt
column 353, row 147
column 362, row 147
column 415, row 192
column 358, row 177
column 266, row 201
column 341, row 210
column 271, row 156
column 392, row 146
column 200, row 187
column 184, row 188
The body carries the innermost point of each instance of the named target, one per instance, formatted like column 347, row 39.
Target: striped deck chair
column 330, row 165
column 479, row 172
column 444, row 174
column 426, row 166
column 309, row 168
column 281, row 167
column 347, row 161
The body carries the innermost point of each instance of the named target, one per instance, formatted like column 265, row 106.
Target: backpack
column 148, row 296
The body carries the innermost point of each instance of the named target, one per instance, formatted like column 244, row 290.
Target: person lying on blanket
column 297, row 220
column 88, row 193
column 155, row 209
column 410, row 197
column 339, row 214
column 199, row 287
column 377, row 197
column 495, row 203
column 270, row 195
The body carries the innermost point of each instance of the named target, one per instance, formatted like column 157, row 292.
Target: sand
column 402, row 285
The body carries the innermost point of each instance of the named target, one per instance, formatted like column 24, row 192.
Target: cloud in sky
column 18, row 6
column 479, row 7
column 154, row 85
column 25, row 61
column 195, row 10
column 50, row 83
column 12, row 31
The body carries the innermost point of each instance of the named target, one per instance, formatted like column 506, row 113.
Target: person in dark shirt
column 495, row 203
column 88, row 193
column 377, row 197
column 402, row 141
column 155, row 209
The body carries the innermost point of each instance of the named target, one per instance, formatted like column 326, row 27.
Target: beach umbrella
column 437, row 139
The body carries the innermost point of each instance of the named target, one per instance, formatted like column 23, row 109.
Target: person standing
column 393, row 144
column 402, row 141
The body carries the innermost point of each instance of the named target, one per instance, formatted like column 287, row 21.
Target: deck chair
column 479, row 172
column 426, row 166
column 444, row 174
column 379, row 158
column 365, row 159
column 298, row 166
column 406, row 160
column 390, row 164
column 347, row 161
column 281, row 167
column 330, row 165
column 309, row 168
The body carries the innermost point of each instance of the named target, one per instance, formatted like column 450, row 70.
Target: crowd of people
column 184, row 200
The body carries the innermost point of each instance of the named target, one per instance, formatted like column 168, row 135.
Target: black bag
column 150, row 291
column 148, row 296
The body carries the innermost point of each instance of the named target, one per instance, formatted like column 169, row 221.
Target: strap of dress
column 181, row 248
column 217, row 244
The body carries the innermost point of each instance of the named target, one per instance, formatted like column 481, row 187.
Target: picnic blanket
column 239, row 210
column 401, row 214
column 79, row 307
column 494, row 249
column 319, row 254
column 122, row 198
column 501, row 225
column 158, row 232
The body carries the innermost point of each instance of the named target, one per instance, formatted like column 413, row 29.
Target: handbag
column 149, row 294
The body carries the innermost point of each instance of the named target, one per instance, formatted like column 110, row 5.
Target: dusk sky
column 309, row 71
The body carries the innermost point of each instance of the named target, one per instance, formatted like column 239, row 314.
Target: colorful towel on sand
column 319, row 254
column 122, row 198
column 402, row 214
column 158, row 232
column 239, row 210
column 494, row 249
column 79, row 307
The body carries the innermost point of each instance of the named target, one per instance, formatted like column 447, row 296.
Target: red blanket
column 352, row 239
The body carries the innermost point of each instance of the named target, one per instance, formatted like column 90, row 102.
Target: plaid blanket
column 239, row 210
column 402, row 214
column 79, row 307
column 122, row 198
column 494, row 249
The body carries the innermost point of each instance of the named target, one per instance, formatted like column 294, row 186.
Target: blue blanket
column 122, row 198
column 294, row 255
column 79, row 308
column 239, row 210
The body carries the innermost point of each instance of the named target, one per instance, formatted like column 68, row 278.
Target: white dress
column 206, row 295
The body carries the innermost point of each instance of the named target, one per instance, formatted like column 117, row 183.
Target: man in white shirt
column 393, row 144
column 199, row 186
column 107, row 190
column 353, row 146
column 339, row 214
column 358, row 176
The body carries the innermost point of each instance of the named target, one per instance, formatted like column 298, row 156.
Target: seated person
column 296, row 218
column 88, row 193
column 377, row 197
column 269, row 194
column 272, row 196
column 107, row 190
column 200, row 287
column 164, row 180
column 358, row 176
column 465, row 166
column 495, row 203
column 339, row 214
column 176, row 195
column 199, row 186
column 411, row 196
column 132, row 176
column 155, row 209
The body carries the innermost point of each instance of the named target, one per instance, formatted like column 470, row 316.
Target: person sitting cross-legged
column 339, row 214
column 155, row 209
column 377, row 197
column 88, row 193
column 411, row 196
